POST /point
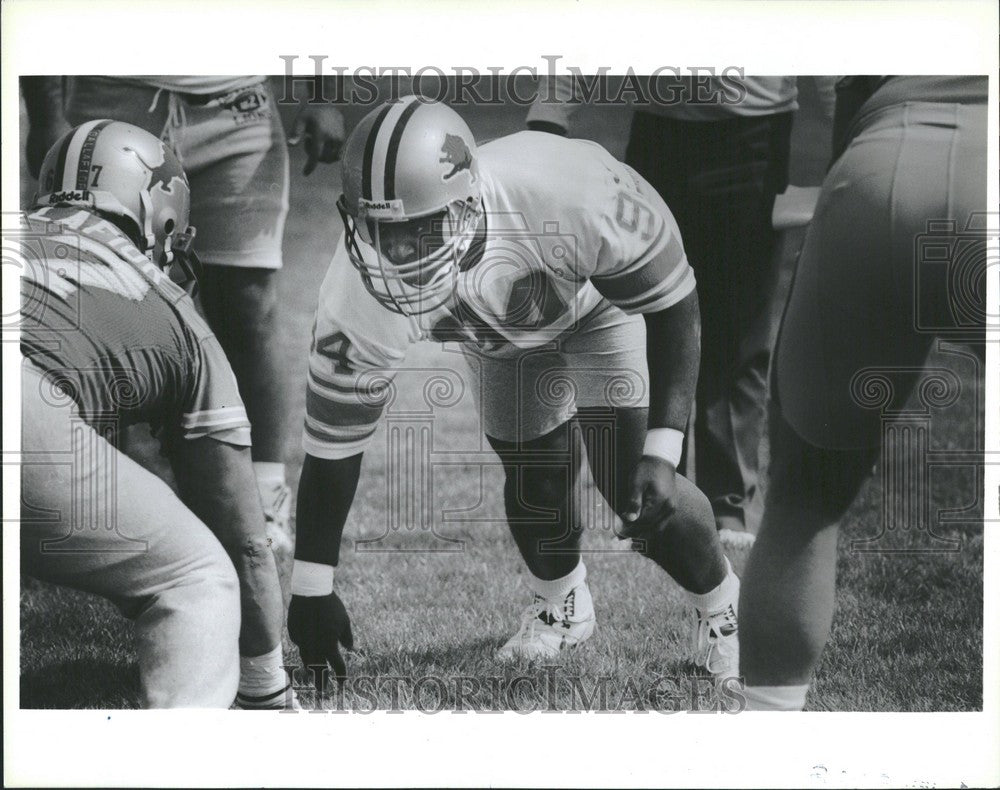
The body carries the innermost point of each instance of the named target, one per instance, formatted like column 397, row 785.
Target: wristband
column 312, row 579
column 665, row 443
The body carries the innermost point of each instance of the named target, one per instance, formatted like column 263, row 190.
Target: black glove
column 319, row 625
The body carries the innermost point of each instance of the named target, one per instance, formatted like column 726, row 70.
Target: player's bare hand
column 321, row 130
column 652, row 496
column 320, row 626
column 41, row 137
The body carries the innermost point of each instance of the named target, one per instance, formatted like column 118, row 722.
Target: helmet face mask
column 124, row 172
column 411, row 266
column 411, row 204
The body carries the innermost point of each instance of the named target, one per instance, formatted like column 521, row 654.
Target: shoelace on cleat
column 711, row 629
column 547, row 612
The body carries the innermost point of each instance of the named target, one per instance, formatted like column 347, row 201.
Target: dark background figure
column 717, row 150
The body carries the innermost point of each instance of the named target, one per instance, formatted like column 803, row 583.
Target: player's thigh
column 526, row 394
column 850, row 333
column 241, row 303
column 237, row 162
column 606, row 362
column 522, row 395
column 807, row 479
column 95, row 520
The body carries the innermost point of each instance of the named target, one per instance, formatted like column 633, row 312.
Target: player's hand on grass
column 41, row 137
column 652, row 496
column 322, row 130
column 320, row 626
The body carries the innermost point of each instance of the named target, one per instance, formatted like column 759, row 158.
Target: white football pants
column 94, row 520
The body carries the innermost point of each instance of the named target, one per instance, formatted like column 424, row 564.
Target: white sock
column 262, row 676
column 728, row 592
column 776, row 697
column 558, row 589
column 270, row 475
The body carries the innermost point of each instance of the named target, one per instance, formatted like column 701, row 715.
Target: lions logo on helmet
column 123, row 171
column 408, row 222
column 456, row 153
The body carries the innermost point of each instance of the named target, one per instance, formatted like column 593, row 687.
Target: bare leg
column 787, row 600
column 540, row 475
column 241, row 307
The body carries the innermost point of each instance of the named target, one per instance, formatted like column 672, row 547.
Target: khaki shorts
column 233, row 151
column 524, row 394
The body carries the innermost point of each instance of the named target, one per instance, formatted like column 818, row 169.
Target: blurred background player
column 913, row 154
column 716, row 148
column 108, row 341
column 545, row 258
column 228, row 135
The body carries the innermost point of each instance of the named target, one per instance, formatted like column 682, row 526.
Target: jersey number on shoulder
column 334, row 347
column 633, row 215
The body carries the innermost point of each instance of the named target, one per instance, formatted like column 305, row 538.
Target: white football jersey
column 566, row 227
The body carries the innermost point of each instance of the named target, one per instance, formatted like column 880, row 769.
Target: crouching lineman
column 538, row 254
column 109, row 340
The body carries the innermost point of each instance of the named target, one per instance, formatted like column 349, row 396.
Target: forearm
column 673, row 350
column 216, row 481
column 43, row 99
column 326, row 492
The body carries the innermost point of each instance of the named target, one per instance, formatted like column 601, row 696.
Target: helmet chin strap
column 184, row 256
column 146, row 228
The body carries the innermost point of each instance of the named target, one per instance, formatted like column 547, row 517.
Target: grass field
column 908, row 630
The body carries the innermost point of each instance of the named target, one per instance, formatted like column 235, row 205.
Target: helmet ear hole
column 168, row 227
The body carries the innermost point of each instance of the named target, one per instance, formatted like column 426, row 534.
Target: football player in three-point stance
column 109, row 340
column 227, row 132
column 550, row 261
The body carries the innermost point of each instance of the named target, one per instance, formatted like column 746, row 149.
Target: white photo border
column 134, row 748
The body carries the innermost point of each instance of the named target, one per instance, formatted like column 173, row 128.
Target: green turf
column 907, row 635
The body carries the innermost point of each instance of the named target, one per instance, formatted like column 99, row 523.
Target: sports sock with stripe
column 263, row 678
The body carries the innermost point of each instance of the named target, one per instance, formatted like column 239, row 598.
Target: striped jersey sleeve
column 212, row 406
column 131, row 340
column 357, row 345
column 640, row 265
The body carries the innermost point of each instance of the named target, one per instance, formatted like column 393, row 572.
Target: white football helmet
column 412, row 202
column 124, row 171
